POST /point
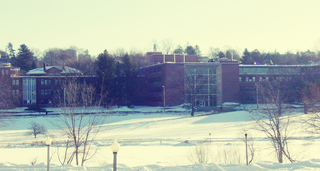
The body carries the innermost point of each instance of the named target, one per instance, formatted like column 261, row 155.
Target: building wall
column 230, row 81
column 249, row 75
column 172, row 77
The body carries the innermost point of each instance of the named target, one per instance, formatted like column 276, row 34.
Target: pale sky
column 266, row 25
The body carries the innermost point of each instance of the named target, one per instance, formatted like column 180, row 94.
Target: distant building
column 40, row 84
column 166, row 79
column 249, row 75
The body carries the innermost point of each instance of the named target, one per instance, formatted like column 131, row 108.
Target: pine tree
column 246, row 57
column 105, row 69
column 24, row 59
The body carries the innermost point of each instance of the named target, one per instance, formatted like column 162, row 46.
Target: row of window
column 46, row 91
column 155, row 80
column 15, row 92
column 202, row 79
column 201, row 71
column 49, row 82
column 154, row 70
column 277, row 70
column 15, row 82
column 5, row 71
column 262, row 79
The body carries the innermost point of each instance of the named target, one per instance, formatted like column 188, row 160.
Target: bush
column 36, row 129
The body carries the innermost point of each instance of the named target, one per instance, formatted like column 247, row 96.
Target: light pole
column 164, row 98
column 257, row 96
column 64, row 97
column 115, row 148
column 246, row 136
column 48, row 143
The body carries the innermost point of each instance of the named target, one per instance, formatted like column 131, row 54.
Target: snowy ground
column 152, row 140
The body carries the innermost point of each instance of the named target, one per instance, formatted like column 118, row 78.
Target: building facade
column 171, row 78
column 38, row 88
column 250, row 75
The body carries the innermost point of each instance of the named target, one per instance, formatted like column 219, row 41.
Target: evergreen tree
column 11, row 51
column 178, row 50
column 105, row 65
column 129, row 77
column 246, row 57
column 197, row 50
column 105, row 69
column 221, row 54
column 24, row 59
column 190, row 50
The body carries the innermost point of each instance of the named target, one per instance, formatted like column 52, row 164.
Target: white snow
column 152, row 140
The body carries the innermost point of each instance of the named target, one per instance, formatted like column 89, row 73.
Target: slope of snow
column 153, row 140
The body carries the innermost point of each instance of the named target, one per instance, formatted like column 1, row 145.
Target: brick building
column 37, row 88
column 166, row 80
column 249, row 75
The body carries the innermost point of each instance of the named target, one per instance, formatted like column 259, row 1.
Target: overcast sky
column 266, row 25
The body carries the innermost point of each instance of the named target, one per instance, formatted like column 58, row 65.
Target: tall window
column 204, row 80
column 29, row 91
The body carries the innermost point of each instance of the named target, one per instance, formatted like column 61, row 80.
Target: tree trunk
column 278, row 140
column 192, row 110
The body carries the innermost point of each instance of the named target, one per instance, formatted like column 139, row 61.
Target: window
column 15, row 92
column 15, row 82
column 7, row 72
column 212, row 79
column 155, row 80
column 29, row 91
column 212, row 71
column 42, row 81
column 202, row 71
column 247, row 70
column 262, row 70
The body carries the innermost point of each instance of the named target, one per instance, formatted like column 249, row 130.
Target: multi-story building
column 168, row 80
column 250, row 75
column 40, row 84
column 165, row 81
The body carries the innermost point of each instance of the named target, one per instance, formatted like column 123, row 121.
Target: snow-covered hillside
column 152, row 140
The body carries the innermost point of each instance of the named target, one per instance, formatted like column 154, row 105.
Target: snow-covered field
column 152, row 140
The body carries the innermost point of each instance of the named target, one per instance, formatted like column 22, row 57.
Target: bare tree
column 311, row 99
column 199, row 154
column 165, row 46
column 8, row 95
column 213, row 53
column 275, row 118
column 37, row 129
column 80, row 120
column 250, row 145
